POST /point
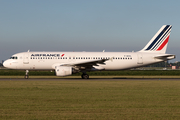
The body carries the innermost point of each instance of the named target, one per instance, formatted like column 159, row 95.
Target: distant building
column 174, row 67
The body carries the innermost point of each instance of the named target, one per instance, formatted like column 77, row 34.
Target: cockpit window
column 14, row 57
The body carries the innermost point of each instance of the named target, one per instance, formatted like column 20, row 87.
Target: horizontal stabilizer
column 166, row 56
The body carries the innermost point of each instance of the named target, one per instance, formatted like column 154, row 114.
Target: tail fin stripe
column 163, row 44
column 157, row 38
column 159, row 44
column 162, row 39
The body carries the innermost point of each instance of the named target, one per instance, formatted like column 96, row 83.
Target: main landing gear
column 26, row 75
column 85, row 76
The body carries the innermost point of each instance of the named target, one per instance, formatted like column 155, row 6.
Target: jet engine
column 63, row 71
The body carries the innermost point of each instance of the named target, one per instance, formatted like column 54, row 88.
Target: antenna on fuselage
column 28, row 50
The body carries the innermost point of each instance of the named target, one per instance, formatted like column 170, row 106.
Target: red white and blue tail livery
column 67, row 63
column 160, row 40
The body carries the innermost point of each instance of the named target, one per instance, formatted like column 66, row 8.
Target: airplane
column 68, row 63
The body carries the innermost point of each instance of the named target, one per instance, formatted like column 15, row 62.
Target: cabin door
column 140, row 59
column 26, row 59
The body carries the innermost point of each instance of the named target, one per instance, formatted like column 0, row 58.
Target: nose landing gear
column 26, row 75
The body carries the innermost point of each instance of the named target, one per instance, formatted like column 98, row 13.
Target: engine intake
column 63, row 71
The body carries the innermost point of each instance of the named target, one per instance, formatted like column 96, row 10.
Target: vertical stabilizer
column 160, row 40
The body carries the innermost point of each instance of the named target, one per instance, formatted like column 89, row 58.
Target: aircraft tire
column 26, row 76
column 85, row 76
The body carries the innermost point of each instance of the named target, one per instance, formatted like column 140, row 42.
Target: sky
column 85, row 25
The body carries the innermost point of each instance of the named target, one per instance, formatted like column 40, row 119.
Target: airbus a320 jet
column 67, row 63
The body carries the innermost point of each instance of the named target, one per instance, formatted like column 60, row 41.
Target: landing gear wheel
column 85, row 76
column 26, row 76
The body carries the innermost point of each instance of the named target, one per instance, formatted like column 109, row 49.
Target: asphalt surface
column 92, row 79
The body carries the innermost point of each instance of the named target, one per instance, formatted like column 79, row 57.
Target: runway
column 92, row 79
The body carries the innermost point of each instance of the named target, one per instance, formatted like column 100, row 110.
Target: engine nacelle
column 63, row 71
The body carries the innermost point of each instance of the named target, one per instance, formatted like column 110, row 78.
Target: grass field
column 90, row 99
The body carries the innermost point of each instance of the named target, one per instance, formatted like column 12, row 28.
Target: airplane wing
column 87, row 64
column 94, row 62
column 166, row 56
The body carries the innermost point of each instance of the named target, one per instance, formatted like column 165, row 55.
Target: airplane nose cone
column 6, row 64
column 10, row 64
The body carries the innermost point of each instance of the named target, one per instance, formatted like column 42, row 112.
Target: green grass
column 88, row 99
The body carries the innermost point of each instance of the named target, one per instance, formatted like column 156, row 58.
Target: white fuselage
column 48, row 60
column 67, row 63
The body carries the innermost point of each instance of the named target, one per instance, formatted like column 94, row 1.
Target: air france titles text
column 45, row 55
